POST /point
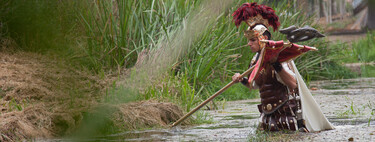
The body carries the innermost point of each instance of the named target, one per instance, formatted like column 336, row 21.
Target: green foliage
column 364, row 49
column 118, row 30
column 332, row 70
column 236, row 92
column 214, row 54
column 267, row 136
column 2, row 93
column 4, row 10
column 15, row 105
column 344, row 52
column 357, row 110
column 175, row 89
column 121, row 94
column 41, row 26
column 368, row 71
column 202, row 118
column 371, row 107
column 95, row 124
column 260, row 136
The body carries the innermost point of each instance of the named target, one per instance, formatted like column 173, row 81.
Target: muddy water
column 348, row 104
column 233, row 123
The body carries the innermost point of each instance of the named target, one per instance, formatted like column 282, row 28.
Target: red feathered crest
column 247, row 11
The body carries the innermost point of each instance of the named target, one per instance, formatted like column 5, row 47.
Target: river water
column 235, row 122
column 349, row 104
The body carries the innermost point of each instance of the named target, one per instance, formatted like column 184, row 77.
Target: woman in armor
column 286, row 103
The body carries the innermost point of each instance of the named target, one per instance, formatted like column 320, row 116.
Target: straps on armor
column 287, row 115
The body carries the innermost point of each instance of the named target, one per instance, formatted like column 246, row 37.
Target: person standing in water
column 286, row 103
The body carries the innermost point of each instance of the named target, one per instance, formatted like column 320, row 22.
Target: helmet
column 258, row 17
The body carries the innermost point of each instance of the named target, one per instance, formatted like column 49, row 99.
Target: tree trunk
column 334, row 7
column 342, row 6
column 295, row 6
column 371, row 14
column 329, row 11
column 317, row 9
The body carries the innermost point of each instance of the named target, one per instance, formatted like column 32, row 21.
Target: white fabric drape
column 311, row 112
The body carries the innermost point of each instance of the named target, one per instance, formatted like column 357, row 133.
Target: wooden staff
column 211, row 98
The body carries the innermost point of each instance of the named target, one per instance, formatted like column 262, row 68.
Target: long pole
column 211, row 98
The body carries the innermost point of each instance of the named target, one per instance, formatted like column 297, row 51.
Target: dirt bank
column 43, row 97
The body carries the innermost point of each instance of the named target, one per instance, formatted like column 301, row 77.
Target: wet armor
column 279, row 108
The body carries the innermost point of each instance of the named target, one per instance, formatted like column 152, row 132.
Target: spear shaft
column 212, row 97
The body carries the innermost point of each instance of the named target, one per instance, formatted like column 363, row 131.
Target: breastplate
column 273, row 94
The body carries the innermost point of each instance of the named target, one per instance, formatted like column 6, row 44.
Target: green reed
column 40, row 26
column 358, row 51
column 361, row 51
column 175, row 89
column 215, row 55
column 364, row 50
column 117, row 31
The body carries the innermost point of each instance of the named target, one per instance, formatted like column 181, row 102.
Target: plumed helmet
column 258, row 17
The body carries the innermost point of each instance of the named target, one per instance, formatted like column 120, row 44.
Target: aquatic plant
column 364, row 49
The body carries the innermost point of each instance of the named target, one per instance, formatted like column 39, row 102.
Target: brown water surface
column 349, row 104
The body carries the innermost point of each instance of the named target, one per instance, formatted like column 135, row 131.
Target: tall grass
column 175, row 89
column 165, row 37
column 111, row 35
column 211, row 58
column 364, row 49
column 4, row 10
column 312, row 65
column 117, row 31
column 359, row 51
column 41, row 26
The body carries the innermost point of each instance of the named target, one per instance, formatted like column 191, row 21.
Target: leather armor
column 279, row 111
column 273, row 94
